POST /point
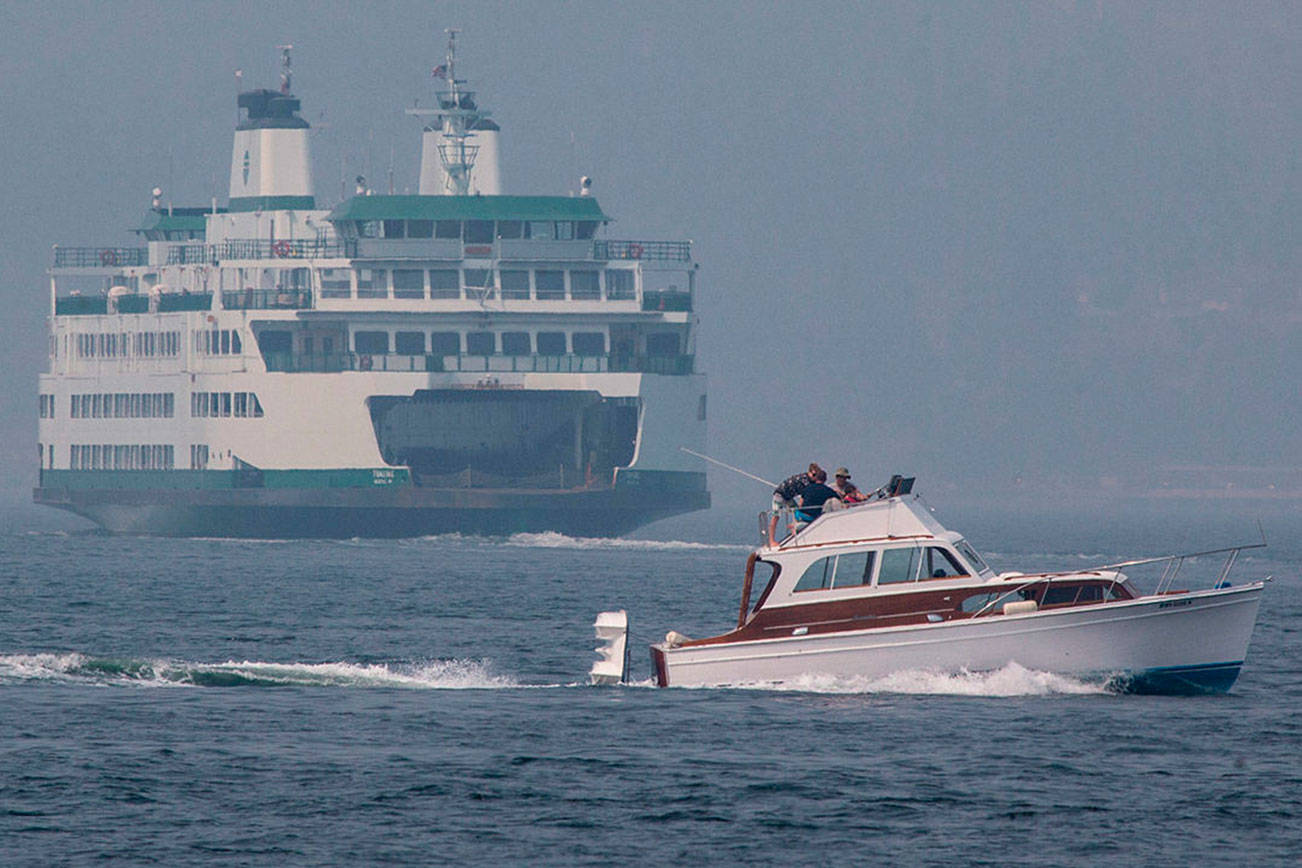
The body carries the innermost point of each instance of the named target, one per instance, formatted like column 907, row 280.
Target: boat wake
column 1010, row 680
column 81, row 669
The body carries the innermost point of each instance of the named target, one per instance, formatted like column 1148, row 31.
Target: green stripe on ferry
column 145, row 480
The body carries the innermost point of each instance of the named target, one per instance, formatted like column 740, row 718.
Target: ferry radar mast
column 457, row 132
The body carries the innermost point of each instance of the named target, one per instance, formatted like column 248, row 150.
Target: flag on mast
column 440, row 71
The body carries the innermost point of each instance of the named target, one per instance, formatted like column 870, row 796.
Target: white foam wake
column 1009, row 680
column 553, row 540
column 82, row 669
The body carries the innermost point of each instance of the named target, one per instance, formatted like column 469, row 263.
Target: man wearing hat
column 847, row 490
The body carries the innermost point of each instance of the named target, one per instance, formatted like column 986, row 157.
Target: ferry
column 457, row 360
column 882, row 587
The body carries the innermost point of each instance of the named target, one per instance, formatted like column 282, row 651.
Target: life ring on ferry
column 363, row 363
column 282, row 248
column 635, row 251
column 108, row 256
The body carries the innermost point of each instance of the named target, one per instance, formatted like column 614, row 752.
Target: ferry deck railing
column 284, row 362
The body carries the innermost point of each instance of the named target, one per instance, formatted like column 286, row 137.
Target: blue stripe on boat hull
column 1177, row 680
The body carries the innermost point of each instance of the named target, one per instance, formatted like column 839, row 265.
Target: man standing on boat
column 789, row 489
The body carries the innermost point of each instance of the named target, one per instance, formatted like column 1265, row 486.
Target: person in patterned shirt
column 788, row 490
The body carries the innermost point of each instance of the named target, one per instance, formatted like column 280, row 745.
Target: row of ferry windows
column 109, row 345
column 481, row 343
column 475, row 231
column 218, row 342
column 109, row 456
column 855, row 569
column 224, row 404
column 123, row 405
column 507, row 283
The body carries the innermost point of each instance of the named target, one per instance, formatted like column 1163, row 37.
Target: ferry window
column 408, row 283
column 226, row 403
column 619, row 283
column 371, row 343
column 974, row 560
column 540, row 230
column 241, row 404
column 940, row 564
column 257, row 405
column 372, row 283
column 409, row 343
column 445, row 343
column 368, row 229
column 816, row 576
column 395, row 229
column 551, row 343
column 444, row 283
column 481, row 343
column 478, row 280
column 898, row 565
column 447, row 229
column 236, row 347
column 479, row 232
column 420, row 228
column 662, row 344
column 510, row 229
column 585, row 229
column 275, row 341
column 515, row 343
column 550, row 284
column 589, row 343
column 584, row 284
column 226, row 342
column 515, row 284
column 853, row 569
column 564, row 230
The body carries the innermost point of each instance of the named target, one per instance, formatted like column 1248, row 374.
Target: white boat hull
column 1185, row 643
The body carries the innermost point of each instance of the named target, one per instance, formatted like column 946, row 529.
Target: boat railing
column 261, row 248
column 673, row 251
column 100, row 257
column 1170, row 570
column 1173, row 563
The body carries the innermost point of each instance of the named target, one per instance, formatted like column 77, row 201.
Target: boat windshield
column 970, row 555
column 766, row 573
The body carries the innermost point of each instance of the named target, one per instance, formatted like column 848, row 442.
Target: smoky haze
column 1053, row 245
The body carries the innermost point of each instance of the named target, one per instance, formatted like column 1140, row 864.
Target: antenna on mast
column 285, row 72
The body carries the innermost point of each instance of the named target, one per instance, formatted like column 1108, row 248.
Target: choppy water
column 224, row 702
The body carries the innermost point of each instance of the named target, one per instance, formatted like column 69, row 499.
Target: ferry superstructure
column 460, row 360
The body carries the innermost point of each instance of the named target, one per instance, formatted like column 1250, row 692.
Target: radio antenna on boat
column 728, row 466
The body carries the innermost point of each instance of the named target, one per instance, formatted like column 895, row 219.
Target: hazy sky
column 977, row 242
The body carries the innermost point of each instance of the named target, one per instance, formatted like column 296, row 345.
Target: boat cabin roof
column 894, row 518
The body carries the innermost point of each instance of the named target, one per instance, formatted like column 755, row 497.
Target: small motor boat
column 881, row 587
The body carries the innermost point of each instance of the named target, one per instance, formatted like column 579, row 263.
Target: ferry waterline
column 459, row 360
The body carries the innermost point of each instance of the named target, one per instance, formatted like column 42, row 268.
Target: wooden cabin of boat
column 889, row 563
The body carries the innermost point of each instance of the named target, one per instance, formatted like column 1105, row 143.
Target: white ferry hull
column 1185, row 643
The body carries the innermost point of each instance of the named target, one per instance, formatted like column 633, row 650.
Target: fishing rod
column 728, row 466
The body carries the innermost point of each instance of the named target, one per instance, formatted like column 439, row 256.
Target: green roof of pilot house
column 469, row 208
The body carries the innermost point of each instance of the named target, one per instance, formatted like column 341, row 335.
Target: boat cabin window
column 977, row 602
column 817, row 576
column 585, row 284
column 937, row 563
column 898, row 565
column 1060, row 594
column 589, row 343
column 395, row 228
column 408, row 283
column 848, row 570
column 853, row 569
column 585, row 229
column 447, row 228
column 510, row 229
column 549, row 284
column 515, row 283
column 970, row 554
column 420, row 228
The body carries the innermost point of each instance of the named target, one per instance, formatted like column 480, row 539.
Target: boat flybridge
column 881, row 587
